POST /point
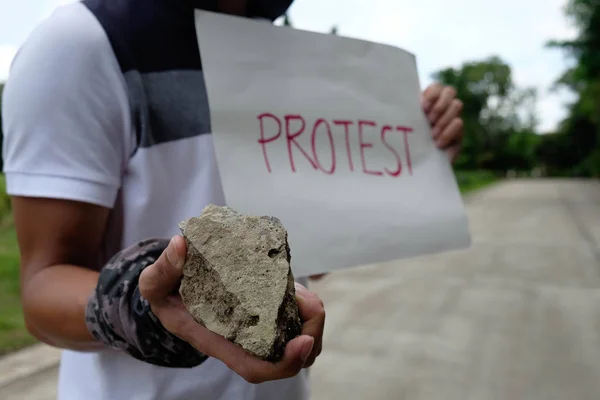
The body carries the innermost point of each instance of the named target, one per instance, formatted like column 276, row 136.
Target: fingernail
column 172, row 255
column 435, row 132
column 307, row 349
column 425, row 104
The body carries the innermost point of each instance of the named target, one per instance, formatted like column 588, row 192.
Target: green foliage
column 13, row 334
column 499, row 117
column 469, row 181
column 286, row 20
column 579, row 134
column 5, row 204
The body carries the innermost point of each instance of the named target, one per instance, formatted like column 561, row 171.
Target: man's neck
column 233, row 7
column 209, row 5
column 269, row 9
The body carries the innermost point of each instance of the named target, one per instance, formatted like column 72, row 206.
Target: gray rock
column 237, row 280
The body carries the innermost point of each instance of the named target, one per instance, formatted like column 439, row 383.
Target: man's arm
column 65, row 138
column 60, row 242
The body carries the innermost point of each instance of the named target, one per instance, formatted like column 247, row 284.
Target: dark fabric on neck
column 270, row 9
column 208, row 5
column 149, row 35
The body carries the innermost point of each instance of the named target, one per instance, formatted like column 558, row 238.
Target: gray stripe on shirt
column 167, row 106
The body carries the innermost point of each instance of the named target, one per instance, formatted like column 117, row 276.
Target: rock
column 237, row 280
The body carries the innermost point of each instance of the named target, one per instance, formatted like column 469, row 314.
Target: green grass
column 469, row 181
column 13, row 334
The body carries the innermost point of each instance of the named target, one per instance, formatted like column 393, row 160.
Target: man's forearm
column 79, row 309
column 54, row 302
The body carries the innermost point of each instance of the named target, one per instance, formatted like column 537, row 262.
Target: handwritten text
column 292, row 126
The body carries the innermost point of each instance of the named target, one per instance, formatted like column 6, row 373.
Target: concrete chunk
column 237, row 280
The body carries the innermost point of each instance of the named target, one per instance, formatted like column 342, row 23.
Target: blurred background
column 517, row 316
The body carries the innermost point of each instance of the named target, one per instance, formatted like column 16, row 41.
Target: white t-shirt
column 70, row 133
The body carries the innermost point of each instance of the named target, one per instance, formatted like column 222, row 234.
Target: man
column 107, row 144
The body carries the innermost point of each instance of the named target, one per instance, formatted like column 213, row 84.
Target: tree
column 288, row 22
column 579, row 133
column 499, row 118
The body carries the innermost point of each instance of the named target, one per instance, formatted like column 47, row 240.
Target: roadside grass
column 13, row 334
column 469, row 181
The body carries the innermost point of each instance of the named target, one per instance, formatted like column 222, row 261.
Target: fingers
column 157, row 284
column 257, row 371
column 442, row 104
column 160, row 279
column 430, row 96
column 452, row 134
column 453, row 111
column 312, row 313
column 252, row 369
column 443, row 112
column 452, row 152
column 249, row 367
column 309, row 304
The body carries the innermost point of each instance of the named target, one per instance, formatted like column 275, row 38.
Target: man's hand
column 159, row 284
column 443, row 110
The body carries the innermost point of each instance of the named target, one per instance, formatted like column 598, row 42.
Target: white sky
column 440, row 33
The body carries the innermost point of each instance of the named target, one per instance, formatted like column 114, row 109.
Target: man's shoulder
column 149, row 35
column 69, row 46
column 70, row 29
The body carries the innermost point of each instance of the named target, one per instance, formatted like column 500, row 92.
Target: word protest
column 327, row 134
column 337, row 133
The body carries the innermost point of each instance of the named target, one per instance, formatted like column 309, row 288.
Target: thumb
column 162, row 278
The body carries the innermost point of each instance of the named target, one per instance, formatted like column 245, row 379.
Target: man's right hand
column 159, row 284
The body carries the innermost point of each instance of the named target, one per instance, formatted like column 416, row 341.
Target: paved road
column 515, row 317
column 41, row 386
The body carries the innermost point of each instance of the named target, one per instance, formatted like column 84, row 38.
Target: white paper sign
column 327, row 134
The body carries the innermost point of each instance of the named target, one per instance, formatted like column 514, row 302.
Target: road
column 517, row 316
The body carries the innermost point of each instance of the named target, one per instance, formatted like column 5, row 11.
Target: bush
column 5, row 205
column 474, row 179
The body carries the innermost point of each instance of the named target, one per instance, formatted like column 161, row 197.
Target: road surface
column 515, row 317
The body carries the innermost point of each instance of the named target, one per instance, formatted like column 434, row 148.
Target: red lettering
column 291, row 138
column 346, row 125
column 398, row 171
column 263, row 141
column 314, row 146
column 364, row 146
column 271, row 129
column 406, row 130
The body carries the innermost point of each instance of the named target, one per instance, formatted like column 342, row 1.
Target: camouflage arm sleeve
column 120, row 317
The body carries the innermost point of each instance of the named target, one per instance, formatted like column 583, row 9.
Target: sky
column 440, row 33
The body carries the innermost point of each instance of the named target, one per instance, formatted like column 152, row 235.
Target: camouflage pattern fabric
column 120, row 317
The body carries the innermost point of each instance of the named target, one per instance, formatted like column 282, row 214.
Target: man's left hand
column 443, row 111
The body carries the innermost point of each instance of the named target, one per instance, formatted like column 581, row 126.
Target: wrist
column 118, row 316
